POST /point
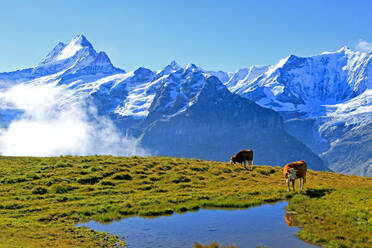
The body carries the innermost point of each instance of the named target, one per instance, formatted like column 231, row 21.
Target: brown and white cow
column 242, row 156
column 293, row 171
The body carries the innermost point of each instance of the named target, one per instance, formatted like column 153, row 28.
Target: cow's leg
column 251, row 164
column 289, row 188
column 302, row 182
column 293, row 185
column 245, row 165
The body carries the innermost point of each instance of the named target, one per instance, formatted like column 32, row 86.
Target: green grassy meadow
column 41, row 199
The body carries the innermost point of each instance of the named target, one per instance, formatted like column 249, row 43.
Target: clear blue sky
column 225, row 35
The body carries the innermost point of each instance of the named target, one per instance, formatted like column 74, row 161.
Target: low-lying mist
column 55, row 122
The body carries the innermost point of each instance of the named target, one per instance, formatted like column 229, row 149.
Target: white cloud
column 364, row 46
column 54, row 124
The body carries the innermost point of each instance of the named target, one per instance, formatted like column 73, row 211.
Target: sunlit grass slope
column 42, row 198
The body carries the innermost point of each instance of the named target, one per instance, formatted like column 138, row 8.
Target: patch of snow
column 358, row 105
column 277, row 90
column 69, row 51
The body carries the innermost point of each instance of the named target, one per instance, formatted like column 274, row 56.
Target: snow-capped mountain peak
column 61, row 52
column 74, row 64
column 343, row 49
column 190, row 67
column 174, row 65
column 71, row 49
column 80, row 40
column 304, row 84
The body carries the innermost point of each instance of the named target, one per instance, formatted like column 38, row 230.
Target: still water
column 266, row 225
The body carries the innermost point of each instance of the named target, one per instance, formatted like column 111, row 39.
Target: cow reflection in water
column 291, row 219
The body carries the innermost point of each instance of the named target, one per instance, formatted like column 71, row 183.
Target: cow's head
column 232, row 160
column 291, row 175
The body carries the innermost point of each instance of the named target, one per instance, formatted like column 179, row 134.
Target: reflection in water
column 258, row 226
column 291, row 219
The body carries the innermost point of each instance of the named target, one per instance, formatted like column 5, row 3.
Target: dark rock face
column 218, row 124
column 306, row 131
column 350, row 154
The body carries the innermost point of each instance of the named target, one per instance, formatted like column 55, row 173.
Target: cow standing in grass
column 242, row 156
column 293, row 171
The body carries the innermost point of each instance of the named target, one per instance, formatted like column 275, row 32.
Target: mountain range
column 325, row 101
column 315, row 108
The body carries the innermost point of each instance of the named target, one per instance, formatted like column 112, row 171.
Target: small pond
column 266, row 225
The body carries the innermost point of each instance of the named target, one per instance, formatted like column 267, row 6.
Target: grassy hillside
column 42, row 198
